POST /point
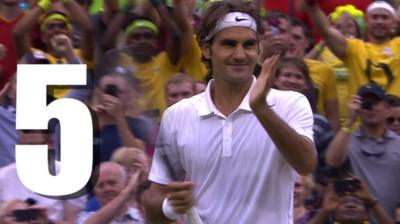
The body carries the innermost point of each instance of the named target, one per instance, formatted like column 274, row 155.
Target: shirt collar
column 207, row 106
column 359, row 133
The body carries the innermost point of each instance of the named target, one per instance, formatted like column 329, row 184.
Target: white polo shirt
column 239, row 174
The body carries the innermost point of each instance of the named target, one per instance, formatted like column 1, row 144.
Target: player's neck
column 226, row 97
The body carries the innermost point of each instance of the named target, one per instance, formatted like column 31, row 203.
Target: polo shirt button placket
column 227, row 138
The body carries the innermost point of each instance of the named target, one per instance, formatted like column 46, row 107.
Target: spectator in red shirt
column 10, row 13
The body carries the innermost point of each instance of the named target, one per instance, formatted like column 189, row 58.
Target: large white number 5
column 75, row 125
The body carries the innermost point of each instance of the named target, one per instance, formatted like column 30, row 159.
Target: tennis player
column 233, row 151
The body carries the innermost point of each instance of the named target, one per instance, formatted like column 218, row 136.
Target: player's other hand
column 180, row 196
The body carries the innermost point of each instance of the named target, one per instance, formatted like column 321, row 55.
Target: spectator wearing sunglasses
column 393, row 120
column 372, row 152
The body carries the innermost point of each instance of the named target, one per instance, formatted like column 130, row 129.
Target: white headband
column 381, row 5
column 233, row 19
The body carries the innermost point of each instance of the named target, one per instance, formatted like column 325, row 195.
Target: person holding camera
column 348, row 201
column 16, row 211
column 372, row 151
column 58, row 210
column 118, row 118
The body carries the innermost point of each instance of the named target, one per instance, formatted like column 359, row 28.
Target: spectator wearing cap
column 372, row 152
column 153, row 68
column 55, row 27
column 375, row 61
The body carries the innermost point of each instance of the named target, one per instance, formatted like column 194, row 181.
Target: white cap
column 234, row 19
column 381, row 5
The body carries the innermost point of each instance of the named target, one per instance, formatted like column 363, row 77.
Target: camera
column 112, row 90
column 346, row 185
column 367, row 104
column 21, row 215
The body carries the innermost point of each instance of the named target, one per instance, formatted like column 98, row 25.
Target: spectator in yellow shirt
column 376, row 61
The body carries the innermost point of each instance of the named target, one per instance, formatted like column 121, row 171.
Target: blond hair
column 131, row 157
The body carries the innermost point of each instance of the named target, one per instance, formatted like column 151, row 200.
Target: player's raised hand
column 264, row 82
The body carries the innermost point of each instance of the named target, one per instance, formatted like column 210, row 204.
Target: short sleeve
column 166, row 165
column 300, row 116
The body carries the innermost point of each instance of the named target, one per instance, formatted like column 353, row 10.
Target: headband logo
column 239, row 19
column 233, row 19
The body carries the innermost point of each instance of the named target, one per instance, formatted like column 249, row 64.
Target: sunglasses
column 391, row 120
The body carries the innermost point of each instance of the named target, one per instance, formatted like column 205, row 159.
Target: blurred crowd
column 143, row 56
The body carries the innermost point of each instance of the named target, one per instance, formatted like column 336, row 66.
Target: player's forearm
column 297, row 149
column 152, row 200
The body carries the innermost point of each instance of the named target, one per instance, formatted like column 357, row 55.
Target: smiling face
column 291, row 77
column 111, row 181
column 233, row 53
column 380, row 23
column 143, row 42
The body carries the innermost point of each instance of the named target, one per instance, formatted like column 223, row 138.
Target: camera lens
column 367, row 104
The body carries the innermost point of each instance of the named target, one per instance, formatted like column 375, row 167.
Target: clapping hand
column 264, row 82
column 61, row 44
